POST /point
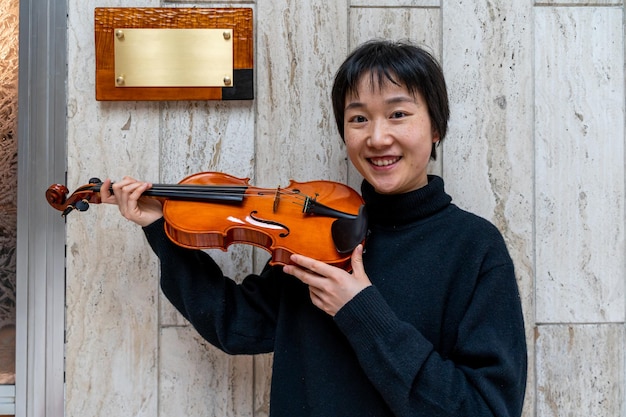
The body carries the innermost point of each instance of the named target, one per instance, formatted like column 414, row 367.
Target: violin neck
column 190, row 192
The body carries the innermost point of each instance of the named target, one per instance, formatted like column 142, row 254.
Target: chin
column 385, row 189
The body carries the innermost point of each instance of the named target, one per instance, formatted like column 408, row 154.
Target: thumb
column 357, row 261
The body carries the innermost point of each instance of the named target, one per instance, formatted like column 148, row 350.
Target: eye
column 357, row 119
column 398, row 115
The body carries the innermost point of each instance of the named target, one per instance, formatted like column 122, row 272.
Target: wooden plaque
column 237, row 21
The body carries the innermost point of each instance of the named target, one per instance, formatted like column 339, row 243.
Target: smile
column 383, row 162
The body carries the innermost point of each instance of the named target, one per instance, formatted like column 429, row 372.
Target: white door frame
column 40, row 264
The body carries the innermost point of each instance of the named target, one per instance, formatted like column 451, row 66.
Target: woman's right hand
column 128, row 196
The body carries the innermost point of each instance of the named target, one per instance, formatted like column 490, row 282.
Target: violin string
column 201, row 191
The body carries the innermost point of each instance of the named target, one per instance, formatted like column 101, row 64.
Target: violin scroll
column 57, row 196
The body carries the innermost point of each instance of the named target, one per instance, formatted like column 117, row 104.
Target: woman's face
column 388, row 135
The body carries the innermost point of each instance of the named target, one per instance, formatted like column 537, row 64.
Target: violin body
column 324, row 220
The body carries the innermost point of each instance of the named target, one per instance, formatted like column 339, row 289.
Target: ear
column 436, row 136
column 436, row 142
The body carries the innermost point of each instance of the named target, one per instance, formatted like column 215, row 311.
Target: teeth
column 384, row 162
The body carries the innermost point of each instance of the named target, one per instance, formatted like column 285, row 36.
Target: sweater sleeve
column 484, row 376
column 236, row 318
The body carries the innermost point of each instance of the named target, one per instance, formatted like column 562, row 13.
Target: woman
column 428, row 323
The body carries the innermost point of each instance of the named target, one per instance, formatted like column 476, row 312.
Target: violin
column 323, row 220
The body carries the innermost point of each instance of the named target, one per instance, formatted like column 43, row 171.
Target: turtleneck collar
column 400, row 209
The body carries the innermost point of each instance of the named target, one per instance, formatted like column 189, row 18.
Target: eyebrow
column 392, row 100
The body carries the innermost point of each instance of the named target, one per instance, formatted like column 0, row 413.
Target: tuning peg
column 82, row 205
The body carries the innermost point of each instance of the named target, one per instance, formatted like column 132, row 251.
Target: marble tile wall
column 579, row 171
column 535, row 145
column 112, row 322
column 579, row 210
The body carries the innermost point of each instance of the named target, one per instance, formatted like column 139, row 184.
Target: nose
column 379, row 135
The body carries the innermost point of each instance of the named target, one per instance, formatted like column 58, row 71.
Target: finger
column 126, row 190
column 297, row 272
column 118, row 187
column 127, row 203
column 307, row 277
column 313, row 265
column 105, row 192
column 357, row 261
column 138, row 190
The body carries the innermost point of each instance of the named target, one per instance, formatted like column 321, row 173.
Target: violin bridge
column 307, row 206
column 276, row 200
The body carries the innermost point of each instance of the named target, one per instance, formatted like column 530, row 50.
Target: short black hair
column 402, row 63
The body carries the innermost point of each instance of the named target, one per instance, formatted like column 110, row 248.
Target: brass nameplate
column 111, row 85
column 173, row 57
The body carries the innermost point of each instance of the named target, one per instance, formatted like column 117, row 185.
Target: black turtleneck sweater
column 439, row 333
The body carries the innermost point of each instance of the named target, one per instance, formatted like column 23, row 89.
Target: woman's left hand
column 330, row 287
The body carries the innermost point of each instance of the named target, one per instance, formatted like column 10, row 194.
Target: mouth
column 384, row 161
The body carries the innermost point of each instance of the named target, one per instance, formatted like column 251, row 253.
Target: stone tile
column 406, row 4
column 206, row 136
column 300, row 45
column 571, row 3
column 580, row 370
column 579, row 173
column 111, row 322
column 238, row 3
column 197, row 380
column 111, row 288
column 262, row 384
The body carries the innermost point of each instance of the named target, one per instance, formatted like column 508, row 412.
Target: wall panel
column 395, row 3
column 579, row 132
column 112, row 322
column 579, row 369
column 196, row 379
column 571, row 3
column 299, row 47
